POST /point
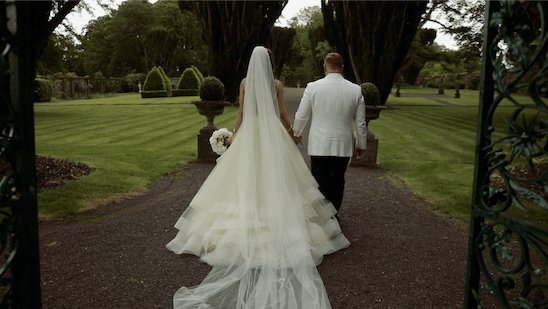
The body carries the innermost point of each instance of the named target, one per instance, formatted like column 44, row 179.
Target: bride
column 259, row 219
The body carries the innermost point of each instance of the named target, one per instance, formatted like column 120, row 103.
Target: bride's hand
column 298, row 140
column 229, row 140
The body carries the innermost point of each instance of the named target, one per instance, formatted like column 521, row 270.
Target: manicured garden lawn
column 432, row 149
column 131, row 142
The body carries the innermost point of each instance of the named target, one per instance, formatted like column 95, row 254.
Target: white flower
column 218, row 140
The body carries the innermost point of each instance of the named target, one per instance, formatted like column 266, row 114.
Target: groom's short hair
column 334, row 61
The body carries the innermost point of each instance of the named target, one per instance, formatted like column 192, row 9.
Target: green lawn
column 131, row 142
column 432, row 149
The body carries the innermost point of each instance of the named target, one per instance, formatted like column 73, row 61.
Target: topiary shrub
column 189, row 80
column 198, row 73
column 212, row 89
column 154, row 81
column 154, row 85
column 167, row 82
column 370, row 94
column 43, row 90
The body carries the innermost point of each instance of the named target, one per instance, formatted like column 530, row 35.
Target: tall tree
column 140, row 35
column 127, row 30
column 51, row 61
column 306, row 54
column 280, row 42
column 45, row 17
column 422, row 50
column 232, row 29
column 95, row 42
column 372, row 36
column 463, row 20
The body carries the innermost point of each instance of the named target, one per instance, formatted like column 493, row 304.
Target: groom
column 335, row 105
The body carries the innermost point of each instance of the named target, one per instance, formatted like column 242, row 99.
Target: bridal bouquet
column 218, row 140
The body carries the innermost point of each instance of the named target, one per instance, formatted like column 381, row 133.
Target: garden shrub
column 212, row 89
column 473, row 81
column 154, row 81
column 133, row 80
column 431, row 84
column 189, row 80
column 449, row 86
column 198, row 73
column 370, row 94
column 43, row 90
column 523, row 91
column 184, row 92
column 154, row 94
column 166, row 81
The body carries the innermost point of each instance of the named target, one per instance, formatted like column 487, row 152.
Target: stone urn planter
column 372, row 112
column 211, row 105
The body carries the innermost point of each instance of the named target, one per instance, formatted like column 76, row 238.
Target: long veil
column 259, row 218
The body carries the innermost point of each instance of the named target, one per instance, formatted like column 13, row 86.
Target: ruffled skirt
column 261, row 222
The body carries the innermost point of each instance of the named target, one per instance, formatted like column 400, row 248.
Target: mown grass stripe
column 130, row 146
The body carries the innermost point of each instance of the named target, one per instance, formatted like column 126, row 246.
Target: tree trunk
column 232, row 29
column 379, row 34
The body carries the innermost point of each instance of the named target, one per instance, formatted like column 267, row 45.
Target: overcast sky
column 79, row 20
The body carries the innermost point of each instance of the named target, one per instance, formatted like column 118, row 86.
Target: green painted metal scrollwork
column 508, row 253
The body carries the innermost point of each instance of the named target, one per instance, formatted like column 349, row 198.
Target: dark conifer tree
column 232, row 29
column 372, row 36
column 281, row 42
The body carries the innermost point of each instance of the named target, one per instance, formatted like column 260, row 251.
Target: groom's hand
column 359, row 153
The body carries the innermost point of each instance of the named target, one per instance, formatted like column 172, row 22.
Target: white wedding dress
column 259, row 218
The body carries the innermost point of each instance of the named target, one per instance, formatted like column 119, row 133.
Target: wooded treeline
column 379, row 40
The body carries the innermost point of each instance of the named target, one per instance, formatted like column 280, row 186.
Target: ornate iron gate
column 508, row 253
column 20, row 272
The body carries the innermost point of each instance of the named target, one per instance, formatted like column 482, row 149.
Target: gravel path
column 403, row 254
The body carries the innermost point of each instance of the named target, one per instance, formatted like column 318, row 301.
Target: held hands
column 297, row 139
column 359, row 153
column 229, row 140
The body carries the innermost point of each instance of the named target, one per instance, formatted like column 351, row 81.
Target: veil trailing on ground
column 259, row 218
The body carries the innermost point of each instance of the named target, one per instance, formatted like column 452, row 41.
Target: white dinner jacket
column 335, row 104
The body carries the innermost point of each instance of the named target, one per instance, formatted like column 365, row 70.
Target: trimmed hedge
column 43, row 90
column 184, row 92
column 198, row 73
column 154, row 81
column 212, row 89
column 167, row 82
column 370, row 94
column 189, row 80
column 154, row 94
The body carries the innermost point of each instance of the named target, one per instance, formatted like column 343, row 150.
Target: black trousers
column 329, row 173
